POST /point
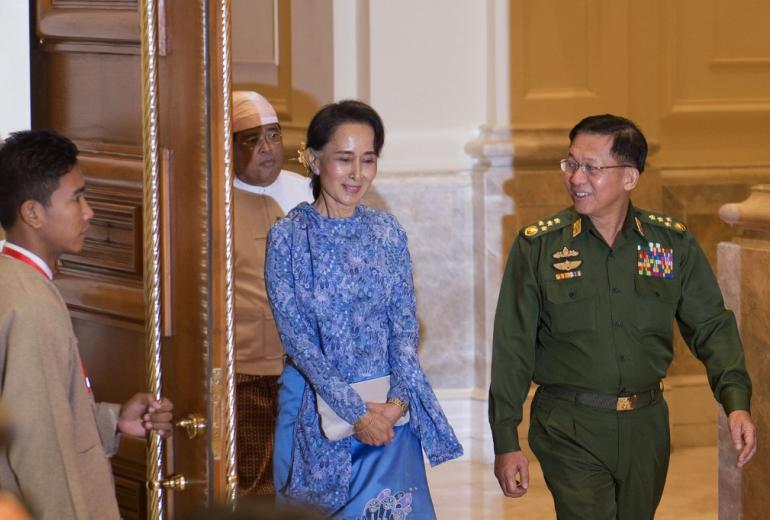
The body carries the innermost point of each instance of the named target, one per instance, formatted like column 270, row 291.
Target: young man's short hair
column 31, row 164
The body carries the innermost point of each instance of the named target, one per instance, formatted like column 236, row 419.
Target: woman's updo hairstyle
column 326, row 121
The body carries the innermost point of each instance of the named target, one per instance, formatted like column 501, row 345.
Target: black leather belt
column 621, row 403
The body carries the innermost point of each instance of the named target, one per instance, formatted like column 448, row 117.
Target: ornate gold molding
column 151, row 240
column 225, row 47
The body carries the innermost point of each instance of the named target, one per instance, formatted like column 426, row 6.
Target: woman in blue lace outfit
column 339, row 278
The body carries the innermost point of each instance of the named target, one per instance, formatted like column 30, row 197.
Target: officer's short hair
column 628, row 144
column 31, row 164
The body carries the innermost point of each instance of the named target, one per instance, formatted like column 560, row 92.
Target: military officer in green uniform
column 586, row 311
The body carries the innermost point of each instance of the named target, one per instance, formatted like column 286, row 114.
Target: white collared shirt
column 288, row 190
column 29, row 254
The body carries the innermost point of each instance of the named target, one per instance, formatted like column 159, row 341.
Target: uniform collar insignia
column 639, row 227
column 577, row 227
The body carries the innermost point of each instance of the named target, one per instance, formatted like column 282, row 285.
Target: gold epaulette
column 662, row 221
column 552, row 223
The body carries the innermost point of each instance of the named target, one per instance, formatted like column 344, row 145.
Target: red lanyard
column 27, row 260
column 24, row 258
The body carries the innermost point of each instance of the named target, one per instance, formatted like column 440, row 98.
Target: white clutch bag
column 375, row 390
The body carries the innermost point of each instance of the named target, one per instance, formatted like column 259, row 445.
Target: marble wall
column 436, row 209
column 743, row 276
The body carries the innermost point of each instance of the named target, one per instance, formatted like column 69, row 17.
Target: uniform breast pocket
column 657, row 300
column 571, row 305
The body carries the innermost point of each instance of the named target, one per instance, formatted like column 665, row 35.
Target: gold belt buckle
column 625, row 404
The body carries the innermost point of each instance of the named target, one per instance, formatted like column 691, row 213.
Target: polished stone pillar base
column 743, row 275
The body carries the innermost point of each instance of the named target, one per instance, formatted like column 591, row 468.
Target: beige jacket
column 258, row 349
column 57, row 459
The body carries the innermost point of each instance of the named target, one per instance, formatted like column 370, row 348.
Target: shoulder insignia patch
column 665, row 221
column 543, row 226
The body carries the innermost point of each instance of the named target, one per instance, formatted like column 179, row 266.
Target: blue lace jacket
column 343, row 300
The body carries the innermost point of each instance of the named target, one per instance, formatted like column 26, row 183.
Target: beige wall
column 694, row 73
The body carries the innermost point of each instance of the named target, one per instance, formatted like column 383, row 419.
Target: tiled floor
column 466, row 490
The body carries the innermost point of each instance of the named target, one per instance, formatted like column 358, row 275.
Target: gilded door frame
column 216, row 172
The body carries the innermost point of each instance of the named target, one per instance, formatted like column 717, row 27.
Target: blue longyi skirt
column 388, row 482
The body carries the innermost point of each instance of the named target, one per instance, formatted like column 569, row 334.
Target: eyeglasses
column 571, row 166
column 271, row 136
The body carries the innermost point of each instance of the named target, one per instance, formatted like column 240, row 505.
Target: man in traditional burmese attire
column 263, row 193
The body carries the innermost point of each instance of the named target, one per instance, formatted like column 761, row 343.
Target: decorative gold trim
column 231, row 467
column 151, row 232
column 216, row 393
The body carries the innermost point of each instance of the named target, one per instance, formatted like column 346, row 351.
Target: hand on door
column 143, row 413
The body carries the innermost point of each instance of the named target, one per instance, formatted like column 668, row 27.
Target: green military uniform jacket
column 574, row 311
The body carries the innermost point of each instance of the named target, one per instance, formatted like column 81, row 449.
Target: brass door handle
column 193, row 424
column 175, row 483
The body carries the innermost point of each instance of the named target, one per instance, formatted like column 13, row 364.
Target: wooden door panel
column 100, row 101
column 89, row 21
column 86, row 83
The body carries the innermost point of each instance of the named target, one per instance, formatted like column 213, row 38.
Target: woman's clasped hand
column 375, row 428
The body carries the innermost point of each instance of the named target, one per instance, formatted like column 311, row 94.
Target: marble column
column 743, row 276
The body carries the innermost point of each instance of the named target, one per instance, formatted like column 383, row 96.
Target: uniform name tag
column 655, row 261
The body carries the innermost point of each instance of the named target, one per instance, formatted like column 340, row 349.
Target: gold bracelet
column 398, row 402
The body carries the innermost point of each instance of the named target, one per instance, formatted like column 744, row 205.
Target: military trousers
column 601, row 464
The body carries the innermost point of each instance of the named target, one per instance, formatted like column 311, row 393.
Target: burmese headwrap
column 251, row 110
